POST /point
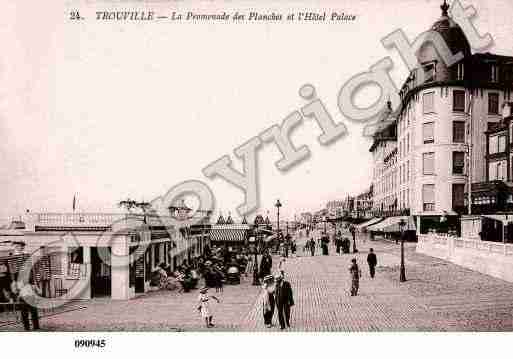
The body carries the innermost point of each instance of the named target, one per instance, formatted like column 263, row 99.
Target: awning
column 228, row 235
column 391, row 224
column 368, row 223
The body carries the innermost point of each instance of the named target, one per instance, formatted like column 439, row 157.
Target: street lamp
column 402, row 276
column 278, row 205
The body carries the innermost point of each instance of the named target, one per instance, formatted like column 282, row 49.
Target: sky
column 110, row 110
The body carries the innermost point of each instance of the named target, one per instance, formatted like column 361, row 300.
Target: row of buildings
column 445, row 150
column 87, row 255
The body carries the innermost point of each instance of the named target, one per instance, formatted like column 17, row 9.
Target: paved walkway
column 438, row 296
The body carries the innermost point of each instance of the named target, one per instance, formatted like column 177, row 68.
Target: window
column 428, row 102
column 496, row 144
column 493, row 144
column 75, row 260
column 458, row 131
column 497, row 171
column 494, row 73
column 76, row 255
column 400, row 174
column 407, row 143
column 428, row 132
column 458, row 195
column 407, row 170
column 508, row 73
column 428, row 163
column 430, row 72
column 458, row 101
column 502, row 143
column 458, row 162
column 428, row 197
column 493, row 103
column 461, row 71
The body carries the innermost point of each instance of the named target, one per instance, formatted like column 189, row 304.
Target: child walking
column 204, row 307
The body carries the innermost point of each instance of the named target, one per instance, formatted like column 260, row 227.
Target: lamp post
column 278, row 205
column 325, row 220
column 402, row 276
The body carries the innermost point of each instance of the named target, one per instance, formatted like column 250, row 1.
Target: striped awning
column 228, row 235
column 391, row 225
column 14, row 263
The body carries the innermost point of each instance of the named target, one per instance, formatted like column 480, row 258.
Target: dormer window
column 430, row 72
column 494, row 73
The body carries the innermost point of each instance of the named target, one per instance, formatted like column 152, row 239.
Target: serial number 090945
column 90, row 343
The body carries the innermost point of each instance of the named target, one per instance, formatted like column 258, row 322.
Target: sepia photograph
column 255, row 167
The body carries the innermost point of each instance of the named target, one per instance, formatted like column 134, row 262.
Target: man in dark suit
column 266, row 264
column 284, row 300
column 372, row 260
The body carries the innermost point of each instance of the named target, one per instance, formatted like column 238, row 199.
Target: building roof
column 259, row 220
column 229, row 232
column 451, row 32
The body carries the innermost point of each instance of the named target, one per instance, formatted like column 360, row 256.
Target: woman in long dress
column 268, row 300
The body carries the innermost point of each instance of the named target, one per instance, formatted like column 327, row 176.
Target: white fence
column 492, row 258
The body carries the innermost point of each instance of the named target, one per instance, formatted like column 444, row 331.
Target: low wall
column 491, row 258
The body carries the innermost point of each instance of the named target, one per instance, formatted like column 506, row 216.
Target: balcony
column 392, row 213
column 45, row 222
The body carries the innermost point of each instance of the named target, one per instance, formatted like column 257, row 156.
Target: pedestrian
column 356, row 273
column 281, row 265
column 24, row 292
column 284, row 300
column 266, row 263
column 268, row 301
column 324, row 241
column 218, row 275
column 249, row 266
column 372, row 260
column 204, row 306
column 312, row 247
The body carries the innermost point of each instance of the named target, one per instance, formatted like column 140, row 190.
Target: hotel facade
column 433, row 149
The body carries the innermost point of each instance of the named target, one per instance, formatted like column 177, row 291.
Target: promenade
column 438, row 296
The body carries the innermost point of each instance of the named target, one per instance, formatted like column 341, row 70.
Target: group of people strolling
column 356, row 273
column 277, row 295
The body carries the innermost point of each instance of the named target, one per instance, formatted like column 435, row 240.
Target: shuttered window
column 458, row 195
column 428, row 132
column 458, row 162
column 428, row 197
column 428, row 163
column 458, row 103
column 428, row 102
column 493, row 103
column 458, row 131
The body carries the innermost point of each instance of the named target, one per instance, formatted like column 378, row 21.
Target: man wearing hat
column 284, row 300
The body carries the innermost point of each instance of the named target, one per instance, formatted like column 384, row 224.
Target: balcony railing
column 392, row 213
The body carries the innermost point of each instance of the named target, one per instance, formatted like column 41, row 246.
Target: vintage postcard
column 255, row 166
